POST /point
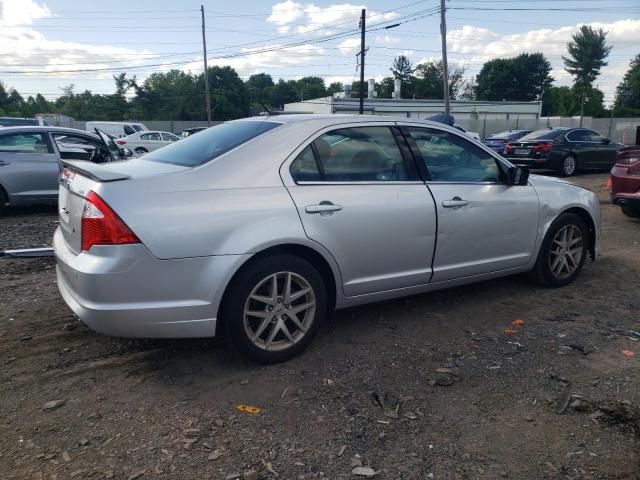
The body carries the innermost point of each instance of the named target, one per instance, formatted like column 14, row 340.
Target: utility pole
column 206, row 70
column 445, row 67
column 362, row 28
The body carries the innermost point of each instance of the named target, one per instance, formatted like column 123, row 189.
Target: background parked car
column 190, row 131
column 498, row 141
column 116, row 129
column 474, row 135
column 30, row 160
column 624, row 182
column 147, row 141
column 20, row 122
column 565, row 150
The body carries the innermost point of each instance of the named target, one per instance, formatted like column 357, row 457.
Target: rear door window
column 198, row 149
column 154, row 137
column 360, row 154
column 24, row 143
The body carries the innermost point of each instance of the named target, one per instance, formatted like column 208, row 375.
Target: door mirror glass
column 518, row 175
column 606, row 140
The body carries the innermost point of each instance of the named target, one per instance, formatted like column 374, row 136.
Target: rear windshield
column 198, row 149
column 542, row 135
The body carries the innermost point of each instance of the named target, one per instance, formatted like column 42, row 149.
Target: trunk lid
column 78, row 178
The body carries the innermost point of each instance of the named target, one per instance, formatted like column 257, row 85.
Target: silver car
column 261, row 227
column 31, row 160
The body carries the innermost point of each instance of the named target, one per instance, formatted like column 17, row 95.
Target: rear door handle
column 455, row 202
column 323, row 207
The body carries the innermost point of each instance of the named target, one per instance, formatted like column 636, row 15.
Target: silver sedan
column 264, row 226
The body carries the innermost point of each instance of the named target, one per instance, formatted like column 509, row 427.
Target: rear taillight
column 543, row 147
column 627, row 161
column 609, row 184
column 102, row 226
column 508, row 148
column 121, row 142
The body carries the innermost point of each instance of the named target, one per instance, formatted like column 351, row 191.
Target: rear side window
column 198, row 149
column 579, row 136
column 24, row 143
column 361, row 154
column 543, row 135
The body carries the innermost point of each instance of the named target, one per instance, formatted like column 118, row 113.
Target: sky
column 48, row 45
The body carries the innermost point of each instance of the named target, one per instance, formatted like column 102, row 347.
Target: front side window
column 137, row 128
column 24, row 143
column 451, row 158
column 596, row 137
column 360, row 154
column 579, row 136
column 170, row 137
column 546, row 134
column 128, row 130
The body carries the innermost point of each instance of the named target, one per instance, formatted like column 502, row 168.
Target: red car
column 624, row 182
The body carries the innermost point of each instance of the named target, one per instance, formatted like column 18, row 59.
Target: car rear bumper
column 125, row 291
column 531, row 162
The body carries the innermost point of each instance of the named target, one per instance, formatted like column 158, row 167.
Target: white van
column 116, row 129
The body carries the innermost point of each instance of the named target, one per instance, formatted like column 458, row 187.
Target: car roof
column 45, row 129
column 336, row 119
column 116, row 123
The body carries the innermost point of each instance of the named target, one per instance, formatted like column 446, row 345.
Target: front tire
column 141, row 151
column 563, row 252
column 630, row 211
column 274, row 308
column 569, row 166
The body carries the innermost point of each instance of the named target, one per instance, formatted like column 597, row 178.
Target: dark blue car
column 498, row 141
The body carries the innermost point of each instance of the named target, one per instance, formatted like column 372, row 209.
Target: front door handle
column 455, row 202
column 325, row 208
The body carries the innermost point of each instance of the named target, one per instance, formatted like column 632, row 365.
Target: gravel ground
column 424, row 387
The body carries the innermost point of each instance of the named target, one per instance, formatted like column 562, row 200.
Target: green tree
column 258, row 87
column 428, row 80
column 385, row 89
column 283, row 92
column 628, row 91
column 588, row 51
column 229, row 97
column 402, row 70
column 521, row 78
column 310, row 88
column 335, row 87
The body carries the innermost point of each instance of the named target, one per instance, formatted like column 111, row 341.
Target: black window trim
column 422, row 164
column 409, row 163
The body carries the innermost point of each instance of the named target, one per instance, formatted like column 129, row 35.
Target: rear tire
column 562, row 253
column 630, row 211
column 4, row 199
column 569, row 166
column 141, row 150
column 270, row 324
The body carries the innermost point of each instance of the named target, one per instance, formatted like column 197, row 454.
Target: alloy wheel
column 567, row 249
column 569, row 165
column 279, row 311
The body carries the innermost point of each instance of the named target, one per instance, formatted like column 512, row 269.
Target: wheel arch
column 4, row 196
column 589, row 222
column 327, row 269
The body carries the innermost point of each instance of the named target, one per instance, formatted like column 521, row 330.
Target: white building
column 463, row 111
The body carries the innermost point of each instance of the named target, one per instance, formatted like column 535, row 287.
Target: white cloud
column 286, row 12
column 22, row 12
column 321, row 20
column 473, row 46
column 387, row 39
column 350, row 45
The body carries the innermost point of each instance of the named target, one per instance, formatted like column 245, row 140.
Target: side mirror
column 606, row 140
column 126, row 152
column 518, row 176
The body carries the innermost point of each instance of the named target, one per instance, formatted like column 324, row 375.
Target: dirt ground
column 424, row 387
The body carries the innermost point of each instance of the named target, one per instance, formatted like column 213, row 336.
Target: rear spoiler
column 94, row 171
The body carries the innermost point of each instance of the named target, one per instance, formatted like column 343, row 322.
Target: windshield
column 137, row 128
column 542, row 135
column 198, row 149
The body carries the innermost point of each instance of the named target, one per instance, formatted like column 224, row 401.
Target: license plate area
column 522, row 151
